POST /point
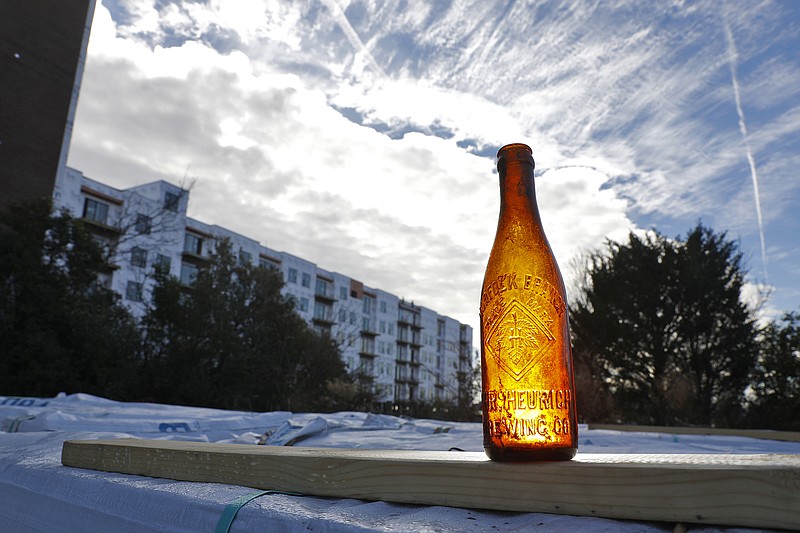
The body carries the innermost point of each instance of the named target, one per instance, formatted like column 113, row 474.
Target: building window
column 343, row 293
column 138, row 257
column 322, row 288
column 303, row 305
column 352, row 318
column 365, row 325
column 95, row 211
column 193, row 244
column 188, row 274
column 383, row 306
column 143, row 224
column 171, row 201
column 162, row 263
column 321, row 311
column 306, row 281
column 245, row 258
column 292, row 276
column 367, row 305
column 342, row 316
column 133, row 291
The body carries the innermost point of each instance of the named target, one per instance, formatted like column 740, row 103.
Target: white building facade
column 406, row 352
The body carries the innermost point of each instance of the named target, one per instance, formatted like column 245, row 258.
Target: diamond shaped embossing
column 518, row 340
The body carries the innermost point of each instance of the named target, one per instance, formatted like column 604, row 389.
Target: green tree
column 776, row 378
column 233, row 341
column 467, row 408
column 59, row 329
column 660, row 331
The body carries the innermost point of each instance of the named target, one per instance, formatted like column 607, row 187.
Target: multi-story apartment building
column 405, row 351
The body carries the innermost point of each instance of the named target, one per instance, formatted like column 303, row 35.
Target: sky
column 361, row 135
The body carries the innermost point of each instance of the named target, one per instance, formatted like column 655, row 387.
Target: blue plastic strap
column 229, row 513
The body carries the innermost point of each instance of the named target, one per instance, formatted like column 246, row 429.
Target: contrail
column 743, row 129
column 352, row 36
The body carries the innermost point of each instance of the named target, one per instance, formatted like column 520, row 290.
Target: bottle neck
column 517, row 190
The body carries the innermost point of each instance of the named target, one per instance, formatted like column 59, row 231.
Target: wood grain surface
column 736, row 490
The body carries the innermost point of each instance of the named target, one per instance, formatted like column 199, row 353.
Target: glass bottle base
column 527, row 454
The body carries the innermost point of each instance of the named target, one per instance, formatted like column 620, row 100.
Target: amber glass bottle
column 528, row 394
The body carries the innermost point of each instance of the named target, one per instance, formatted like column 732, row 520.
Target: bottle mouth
column 514, row 152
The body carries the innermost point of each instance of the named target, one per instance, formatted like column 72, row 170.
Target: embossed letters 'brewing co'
column 526, row 357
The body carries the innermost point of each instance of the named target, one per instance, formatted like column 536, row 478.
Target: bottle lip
column 514, row 152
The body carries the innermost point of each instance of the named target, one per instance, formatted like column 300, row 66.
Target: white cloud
column 624, row 113
column 143, row 16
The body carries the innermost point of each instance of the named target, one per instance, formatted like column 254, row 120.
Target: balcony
column 194, row 258
column 108, row 268
column 409, row 319
column 368, row 329
column 416, row 339
column 102, row 228
column 366, row 368
column 195, row 243
column 402, row 375
column 403, row 336
column 324, row 318
column 402, row 358
column 324, row 294
column 463, row 353
column 368, row 349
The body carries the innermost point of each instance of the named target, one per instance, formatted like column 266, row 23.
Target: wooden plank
column 736, row 490
column 767, row 434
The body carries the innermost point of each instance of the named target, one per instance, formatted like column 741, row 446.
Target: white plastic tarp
column 37, row 493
